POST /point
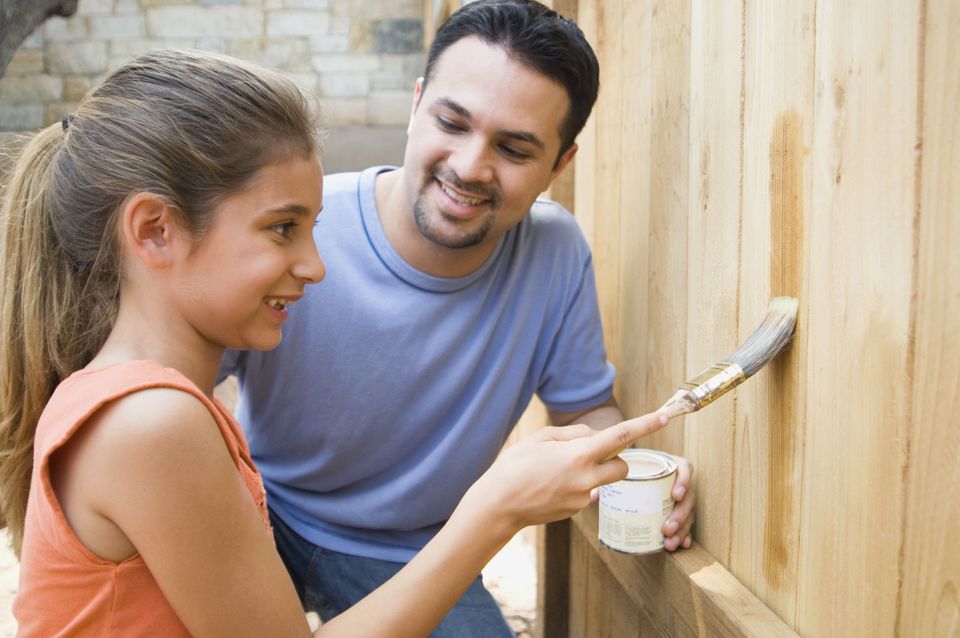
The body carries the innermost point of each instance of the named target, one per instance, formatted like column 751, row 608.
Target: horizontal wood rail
column 686, row 593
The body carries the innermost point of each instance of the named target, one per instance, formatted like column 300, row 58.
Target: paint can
column 632, row 511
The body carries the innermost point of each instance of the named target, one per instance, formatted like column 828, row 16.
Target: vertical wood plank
column 633, row 72
column 608, row 113
column 579, row 587
column 778, row 119
column 585, row 176
column 930, row 575
column 713, row 251
column 861, row 257
column 665, row 312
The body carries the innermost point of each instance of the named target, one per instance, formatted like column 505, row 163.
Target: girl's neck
column 137, row 336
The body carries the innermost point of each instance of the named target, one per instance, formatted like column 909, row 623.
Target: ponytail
column 51, row 320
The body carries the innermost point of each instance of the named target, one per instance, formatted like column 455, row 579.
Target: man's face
column 482, row 145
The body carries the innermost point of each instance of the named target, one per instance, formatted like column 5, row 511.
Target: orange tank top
column 65, row 589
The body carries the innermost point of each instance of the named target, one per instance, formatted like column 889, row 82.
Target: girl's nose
column 310, row 266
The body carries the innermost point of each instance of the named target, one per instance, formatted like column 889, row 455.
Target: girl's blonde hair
column 188, row 126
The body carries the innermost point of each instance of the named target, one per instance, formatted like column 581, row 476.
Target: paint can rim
column 666, row 465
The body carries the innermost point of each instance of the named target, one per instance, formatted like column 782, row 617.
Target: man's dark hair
column 538, row 38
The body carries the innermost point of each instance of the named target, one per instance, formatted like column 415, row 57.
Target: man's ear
column 562, row 161
column 149, row 229
column 417, row 94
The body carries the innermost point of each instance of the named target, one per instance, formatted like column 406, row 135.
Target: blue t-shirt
column 394, row 390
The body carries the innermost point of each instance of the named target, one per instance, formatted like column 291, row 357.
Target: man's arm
column 599, row 418
column 676, row 528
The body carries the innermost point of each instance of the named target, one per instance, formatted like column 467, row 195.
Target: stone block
column 320, row 5
column 285, row 23
column 400, row 72
column 308, row 83
column 34, row 40
column 164, row 3
column 58, row 29
column 126, row 7
column 344, row 111
column 29, row 89
column 340, row 26
column 25, row 61
column 368, row 11
column 339, row 43
column 388, row 81
column 123, row 50
column 344, row 84
column 361, row 37
column 221, row 2
column 198, row 22
column 389, row 108
column 94, row 8
column 397, row 36
column 76, row 58
column 21, row 117
column 57, row 111
column 75, row 87
column 288, row 54
column 212, row 43
column 340, row 63
column 117, row 27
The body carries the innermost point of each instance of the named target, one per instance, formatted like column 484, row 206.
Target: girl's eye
column 284, row 229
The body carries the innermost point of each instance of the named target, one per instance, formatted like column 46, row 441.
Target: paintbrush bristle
column 770, row 338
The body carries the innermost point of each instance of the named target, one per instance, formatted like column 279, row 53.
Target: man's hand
column 676, row 529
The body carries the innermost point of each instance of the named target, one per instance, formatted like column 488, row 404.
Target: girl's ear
column 150, row 230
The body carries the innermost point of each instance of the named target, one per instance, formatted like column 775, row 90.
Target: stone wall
column 360, row 57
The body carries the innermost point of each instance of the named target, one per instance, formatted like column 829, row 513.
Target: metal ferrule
column 714, row 382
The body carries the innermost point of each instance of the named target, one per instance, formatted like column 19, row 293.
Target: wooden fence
column 742, row 150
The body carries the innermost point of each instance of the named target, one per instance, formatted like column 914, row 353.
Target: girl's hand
column 550, row 474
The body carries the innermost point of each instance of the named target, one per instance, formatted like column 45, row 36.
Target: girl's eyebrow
column 293, row 208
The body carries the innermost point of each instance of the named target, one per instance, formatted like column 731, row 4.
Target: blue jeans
column 329, row 582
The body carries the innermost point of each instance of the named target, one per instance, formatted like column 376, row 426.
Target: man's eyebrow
column 457, row 108
column 520, row 136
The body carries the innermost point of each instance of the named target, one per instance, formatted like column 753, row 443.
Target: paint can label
column 632, row 511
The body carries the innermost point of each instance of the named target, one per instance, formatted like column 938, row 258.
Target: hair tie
column 66, row 121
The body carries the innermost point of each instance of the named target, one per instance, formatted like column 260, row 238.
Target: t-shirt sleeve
column 578, row 375
column 230, row 364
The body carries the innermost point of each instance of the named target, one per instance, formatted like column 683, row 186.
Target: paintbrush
column 770, row 338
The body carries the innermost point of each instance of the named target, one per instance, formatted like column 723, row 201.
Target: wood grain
column 861, row 257
column 778, row 117
column 930, row 571
column 713, row 253
column 682, row 594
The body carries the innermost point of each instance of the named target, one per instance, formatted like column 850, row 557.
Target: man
column 452, row 296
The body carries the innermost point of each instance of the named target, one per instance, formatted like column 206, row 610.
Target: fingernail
column 672, row 527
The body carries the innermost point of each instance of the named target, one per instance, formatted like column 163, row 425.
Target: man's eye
column 513, row 153
column 449, row 125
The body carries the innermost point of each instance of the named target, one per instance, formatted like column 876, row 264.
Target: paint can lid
column 647, row 464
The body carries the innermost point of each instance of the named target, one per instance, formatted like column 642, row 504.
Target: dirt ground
column 510, row 576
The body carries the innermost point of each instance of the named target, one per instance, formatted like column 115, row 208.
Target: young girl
column 168, row 218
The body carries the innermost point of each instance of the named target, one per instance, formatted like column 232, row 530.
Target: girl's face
column 237, row 283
